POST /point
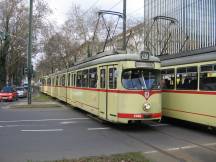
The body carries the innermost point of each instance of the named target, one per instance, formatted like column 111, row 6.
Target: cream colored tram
column 44, row 86
column 119, row 88
column 189, row 91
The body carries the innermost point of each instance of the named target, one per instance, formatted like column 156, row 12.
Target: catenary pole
column 124, row 25
column 30, row 52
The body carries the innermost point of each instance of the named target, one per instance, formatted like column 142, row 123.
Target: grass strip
column 41, row 98
column 126, row 157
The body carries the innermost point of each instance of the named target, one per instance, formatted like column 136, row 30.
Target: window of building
column 112, row 78
column 93, row 78
column 168, row 78
column 208, row 77
column 85, row 78
column 79, row 79
column 102, row 78
column 186, row 78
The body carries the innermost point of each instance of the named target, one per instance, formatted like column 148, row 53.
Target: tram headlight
column 146, row 107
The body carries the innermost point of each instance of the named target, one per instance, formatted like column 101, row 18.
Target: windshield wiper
column 144, row 82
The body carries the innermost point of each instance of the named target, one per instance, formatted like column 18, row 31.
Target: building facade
column 195, row 25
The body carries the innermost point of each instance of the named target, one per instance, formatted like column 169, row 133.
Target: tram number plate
column 4, row 98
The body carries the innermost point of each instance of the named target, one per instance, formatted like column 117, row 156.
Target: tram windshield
column 145, row 79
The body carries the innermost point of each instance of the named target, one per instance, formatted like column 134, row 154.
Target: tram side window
column 85, row 78
column 43, row 82
column 68, row 83
column 74, row 79
column 208, row 77
column 112, row 78
column 57, row 81
column 102, row 78
column 168, row 78
column 78, row 81
column 60, row 81
column 53, row 81
column 186, row 78
column 63, row 80
column 49, row 82
column 93, row 78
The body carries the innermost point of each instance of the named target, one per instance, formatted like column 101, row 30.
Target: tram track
column 163, row 151
column 187, row 141
column 169, row 152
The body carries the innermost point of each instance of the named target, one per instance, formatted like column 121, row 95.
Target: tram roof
column 107, row 57
column 187, row 57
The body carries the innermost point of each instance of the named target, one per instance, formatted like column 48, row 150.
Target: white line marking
column 150, row 152
column 188, row 147
column 209, row 144
column 173, row 149
column 43, row 130
column 41, row 120
column 68, row 122
column 9, row 126
column 158, row 125
column 91, row 129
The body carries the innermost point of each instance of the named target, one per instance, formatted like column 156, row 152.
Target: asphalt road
column 51, row 134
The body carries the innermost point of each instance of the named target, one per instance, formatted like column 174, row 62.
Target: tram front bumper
column 124, row 117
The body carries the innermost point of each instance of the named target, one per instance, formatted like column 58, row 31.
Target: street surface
column 57, row 133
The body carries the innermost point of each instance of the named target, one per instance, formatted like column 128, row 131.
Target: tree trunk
column 2, row 71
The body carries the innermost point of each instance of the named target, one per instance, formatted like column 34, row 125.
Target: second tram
column 189, row 90
column 119, row 88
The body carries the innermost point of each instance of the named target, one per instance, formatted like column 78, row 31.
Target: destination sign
column 144, row 64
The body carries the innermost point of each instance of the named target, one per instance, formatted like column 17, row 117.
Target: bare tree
column 14, row 23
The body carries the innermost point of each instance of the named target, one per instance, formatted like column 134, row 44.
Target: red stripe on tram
column 190, row 92
column 139, row 116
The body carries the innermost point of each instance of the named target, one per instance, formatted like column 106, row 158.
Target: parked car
column 21, row 92
column 8, row 93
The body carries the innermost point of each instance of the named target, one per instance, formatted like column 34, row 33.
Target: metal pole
column 29, row 52
column 124, row 25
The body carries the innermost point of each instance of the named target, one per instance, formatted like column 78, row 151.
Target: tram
column 119, row 88
column 189, row 86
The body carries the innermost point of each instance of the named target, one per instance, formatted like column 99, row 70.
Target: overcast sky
column 61, row 7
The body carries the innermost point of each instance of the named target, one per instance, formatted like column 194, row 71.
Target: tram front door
column 108, row 83
column 103, row 92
